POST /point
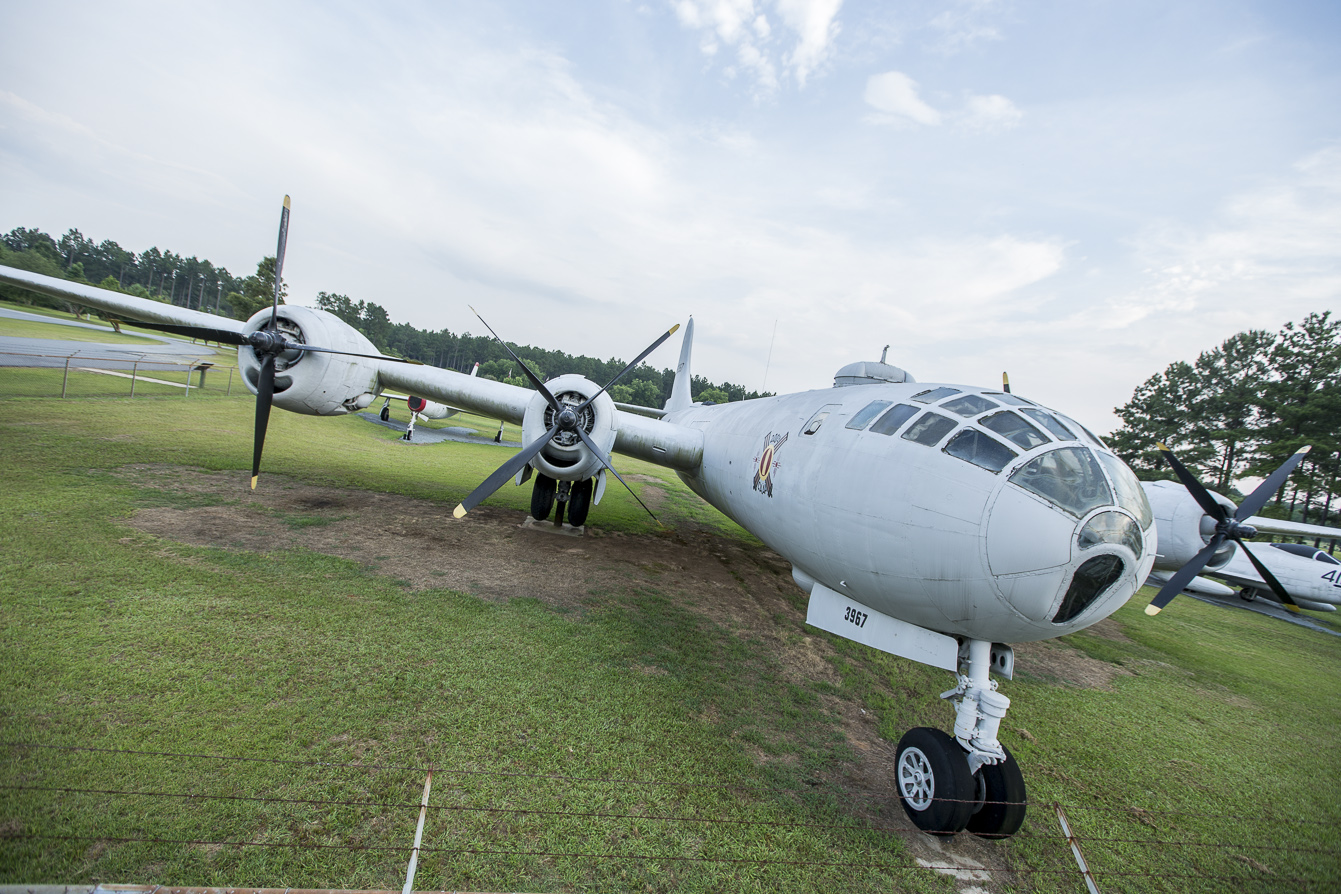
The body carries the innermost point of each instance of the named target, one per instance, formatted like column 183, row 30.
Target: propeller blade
column 1199, row 493
column 1005, row 383
column 302, row 347
column 1184, row 576
column 1258, row 498
column 279, row 260
column 605, row 460
column 535, row 380
column 222, row 336
column 1269, row 578
column 265, row 394
column 508, row 470
column 636, row 360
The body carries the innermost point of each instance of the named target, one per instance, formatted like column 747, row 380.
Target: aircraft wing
column 470, row 393
column 664, row 443
column 1280, row 526
column 657, row 441
column 155, row 314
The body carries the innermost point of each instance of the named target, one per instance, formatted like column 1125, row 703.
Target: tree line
column 162, row 276
column 1241, row 409
column 200, row 285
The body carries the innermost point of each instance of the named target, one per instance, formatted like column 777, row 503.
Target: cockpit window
column 980, row 449
column 969, row 405
column 894, row 419
column 1323, row 557
column 929, row 429
column 1094, row 439
column 1069, row 477
column 933, row 395
column 1011, row 427
column 1048, row 421
column 818, row 419
column 1130, row 494
column 869, row 412
column 1012, row 399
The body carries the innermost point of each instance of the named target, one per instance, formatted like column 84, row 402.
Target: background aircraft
column 1308, row 575
column 934, row 522
column 422, row 408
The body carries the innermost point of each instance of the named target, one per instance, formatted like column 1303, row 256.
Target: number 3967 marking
column 854, row 616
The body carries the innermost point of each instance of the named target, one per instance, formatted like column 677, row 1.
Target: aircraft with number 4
column 934, row 522
column 1307, row 575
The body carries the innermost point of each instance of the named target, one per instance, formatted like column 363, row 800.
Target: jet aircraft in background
column 937, row 522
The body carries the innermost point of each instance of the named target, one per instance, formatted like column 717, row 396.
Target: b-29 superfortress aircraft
column 934, row 522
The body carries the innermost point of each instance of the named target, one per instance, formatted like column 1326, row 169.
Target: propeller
column 1005, row 383
column 566, row 419
column 1227, row 527
column 268, row 343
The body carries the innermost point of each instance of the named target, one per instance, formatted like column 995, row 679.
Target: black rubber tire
column 542, row 497
column 1002, row 812
column 385, row 414
column 579, row 503
column 932, row 769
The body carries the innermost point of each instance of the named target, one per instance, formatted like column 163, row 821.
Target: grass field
column 632, row 740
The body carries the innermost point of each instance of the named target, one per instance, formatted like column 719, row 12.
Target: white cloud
column 965, row 23
column 799, row 48
column 987, row 113
column 1272, row 247
column 894, row 93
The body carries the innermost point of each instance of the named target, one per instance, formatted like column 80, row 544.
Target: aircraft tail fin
column 681, row 396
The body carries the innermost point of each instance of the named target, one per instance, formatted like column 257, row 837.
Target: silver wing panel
column 127, row 306
column 470, row 393
column 1280, row 526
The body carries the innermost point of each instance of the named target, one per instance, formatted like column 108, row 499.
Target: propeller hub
column 266, row 341
column 567, row 419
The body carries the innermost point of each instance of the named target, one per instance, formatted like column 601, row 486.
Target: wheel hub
column 916, row 784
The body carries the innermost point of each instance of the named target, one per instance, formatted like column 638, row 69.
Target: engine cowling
column 311, row 382
column 1184, row 529
column 566, row 458
column 428, row 409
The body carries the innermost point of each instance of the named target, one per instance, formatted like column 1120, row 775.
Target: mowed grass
column 1221, row 731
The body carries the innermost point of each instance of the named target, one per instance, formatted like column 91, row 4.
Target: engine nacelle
column 1184, row 529
column 429, row 409
column 566, row 458
column 310, row 382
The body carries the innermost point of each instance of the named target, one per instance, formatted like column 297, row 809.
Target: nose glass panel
column 1069, row 477
column 1111, row 527
column 1092, row 579
column 1130, row 494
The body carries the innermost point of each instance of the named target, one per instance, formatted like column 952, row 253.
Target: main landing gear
column 970, row 780
column 575, row 497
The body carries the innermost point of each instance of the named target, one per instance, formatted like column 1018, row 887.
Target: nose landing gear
column 969, row 781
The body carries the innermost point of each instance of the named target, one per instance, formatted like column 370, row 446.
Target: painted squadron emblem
column 766, row 462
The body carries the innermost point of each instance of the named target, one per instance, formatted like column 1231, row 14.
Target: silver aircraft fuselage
column 916, row 531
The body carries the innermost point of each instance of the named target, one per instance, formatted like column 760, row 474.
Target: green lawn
column 1219, row 728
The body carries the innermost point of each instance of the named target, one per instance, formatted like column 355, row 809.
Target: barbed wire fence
column 1254, row 853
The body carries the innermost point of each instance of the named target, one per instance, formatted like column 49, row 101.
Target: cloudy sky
column 1079, row 193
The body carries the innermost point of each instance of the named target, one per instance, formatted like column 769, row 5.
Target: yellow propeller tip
column 1305, row 449
column 1152, row 610
column 460, row 510
column 673, row 328
column 286, row 201
column 253, row 481
column 1161, row 446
